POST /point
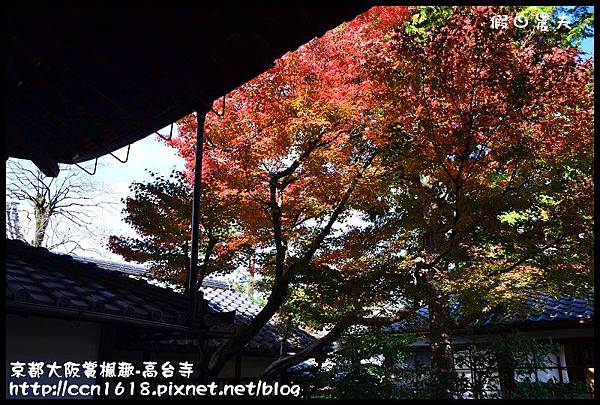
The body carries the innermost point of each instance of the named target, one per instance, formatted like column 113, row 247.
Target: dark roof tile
column 38, row 298
column 37, row 276
column 540, row 308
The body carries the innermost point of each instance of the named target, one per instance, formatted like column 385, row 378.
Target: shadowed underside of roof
column 83, row 80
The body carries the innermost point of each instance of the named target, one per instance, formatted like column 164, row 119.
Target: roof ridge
column 216, row 284
column 143, row 270
column 111, row 265
column 106, row 274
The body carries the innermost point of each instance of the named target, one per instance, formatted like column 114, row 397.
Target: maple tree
column 488, row 149
column 288, row 139
column 159, row 212
column 491, row 153
column 466, row 153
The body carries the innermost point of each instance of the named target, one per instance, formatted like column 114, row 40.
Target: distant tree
column 367, row 363
column 374, row 363
column 59, row 211
column 13, row 223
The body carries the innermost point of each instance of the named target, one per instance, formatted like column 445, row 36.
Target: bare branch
column 69, row 198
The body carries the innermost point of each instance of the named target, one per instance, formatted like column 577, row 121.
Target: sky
column 588, row 47
column 149, row 153
column 114, row 178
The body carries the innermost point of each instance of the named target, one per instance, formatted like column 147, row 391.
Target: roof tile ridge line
column 107, row 276
column 165, row 293
column 216, row 284
column 96, row 261
column 125, row 281
column 103, row 273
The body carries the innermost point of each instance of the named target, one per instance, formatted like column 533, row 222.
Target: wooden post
column 193, row 269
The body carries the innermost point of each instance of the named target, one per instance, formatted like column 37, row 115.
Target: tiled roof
column 540, row 308
column 417, row 323
column 227, row 299
column 37, row 276
column 113, row 266
column 545, row 308
column 307, row 369
column 223, row 299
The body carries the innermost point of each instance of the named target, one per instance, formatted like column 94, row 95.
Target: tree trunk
column 251, row 270
column 442, row 360
column 440, row 321
column 42, row 217
column 506, row 369
column 283, row 363
column 235, row 344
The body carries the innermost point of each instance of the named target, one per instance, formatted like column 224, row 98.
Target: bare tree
column 61, row 211
column 13, row 225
